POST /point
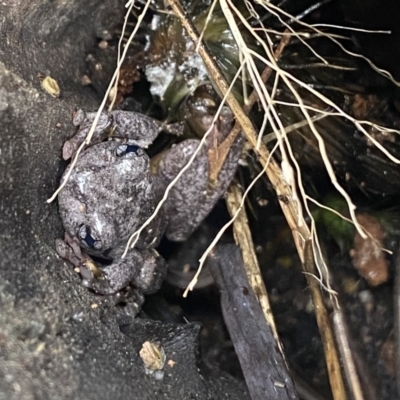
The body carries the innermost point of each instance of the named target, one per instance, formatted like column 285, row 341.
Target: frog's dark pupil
column 132, row 148
column 85, row 234
column 126, row 148
column 89, row 240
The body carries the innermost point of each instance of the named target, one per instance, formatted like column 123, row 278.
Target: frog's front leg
column 193, row 196
column 144, row 269
column 134, row 128
column 84, row 121
column 139, row 129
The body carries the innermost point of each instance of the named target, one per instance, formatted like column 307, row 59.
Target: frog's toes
column 78, row 117
column 69, row 149
column 66, row 252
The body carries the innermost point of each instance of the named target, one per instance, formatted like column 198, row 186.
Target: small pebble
column 85, row 80
column 103, row 44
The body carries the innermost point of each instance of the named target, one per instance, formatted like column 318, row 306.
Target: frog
column 115, row 187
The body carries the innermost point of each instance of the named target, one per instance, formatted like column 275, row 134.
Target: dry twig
column 324, row 325
column 243, row 238
column 341, row 335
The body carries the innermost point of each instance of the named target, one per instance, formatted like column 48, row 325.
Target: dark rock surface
column 58, row 340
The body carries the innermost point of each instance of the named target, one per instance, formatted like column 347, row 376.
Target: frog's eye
column 124, row 149
column 86, row 236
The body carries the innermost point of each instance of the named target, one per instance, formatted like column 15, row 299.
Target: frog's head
column 103, row 199
column 95, row 230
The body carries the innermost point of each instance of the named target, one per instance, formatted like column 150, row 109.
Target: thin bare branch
column 331, row 354
column 243, row 238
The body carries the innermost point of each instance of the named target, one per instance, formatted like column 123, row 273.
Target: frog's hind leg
column 193, row 196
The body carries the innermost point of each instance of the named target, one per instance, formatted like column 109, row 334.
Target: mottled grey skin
column 138, row 128
column 110, row 194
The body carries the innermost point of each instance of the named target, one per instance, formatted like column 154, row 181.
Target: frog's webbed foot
column 84, row 121
column 131, row 298
column 69, row 249
column 144, row 269
column 66, row 253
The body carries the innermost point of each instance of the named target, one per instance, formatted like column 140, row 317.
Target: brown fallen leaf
column 367, row 255
column 152, row 355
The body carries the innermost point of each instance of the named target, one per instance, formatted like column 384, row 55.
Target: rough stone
column 57, row 339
